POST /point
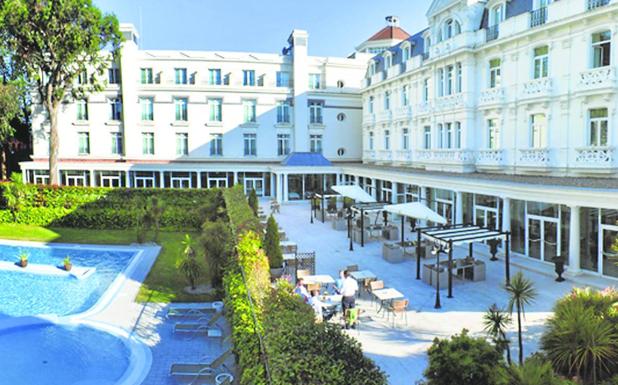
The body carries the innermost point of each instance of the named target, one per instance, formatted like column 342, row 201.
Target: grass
column 163, row 284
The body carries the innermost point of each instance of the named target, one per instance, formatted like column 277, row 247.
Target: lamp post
column 311, row 198
column 349, row 217
column 436, row 251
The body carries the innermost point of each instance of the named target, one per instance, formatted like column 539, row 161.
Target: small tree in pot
column 67, row 263
column 23, row 259
column 189, row 265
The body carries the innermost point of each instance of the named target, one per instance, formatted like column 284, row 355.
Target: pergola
column 364, row 208
column 414, row 210
column 446, row 237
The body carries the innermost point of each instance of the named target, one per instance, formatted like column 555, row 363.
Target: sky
column 335, row 26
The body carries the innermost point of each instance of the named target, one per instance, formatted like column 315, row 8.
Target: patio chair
column 201, row 370
column 313, row 286
column 366, row 285
column 373, row 286
column 302, row 273
column 193, row 310
column 352, row 268
column 397, row 306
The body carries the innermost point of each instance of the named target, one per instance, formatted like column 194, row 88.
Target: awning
column 416, row 210
column 354, row 192
column 461, row 235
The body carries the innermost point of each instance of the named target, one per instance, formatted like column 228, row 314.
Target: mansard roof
column 416, row 42
column 513, row 8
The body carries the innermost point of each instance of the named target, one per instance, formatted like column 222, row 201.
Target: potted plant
column 493, row 248
column 67, row 263
column 559, row 267
column 23, row 259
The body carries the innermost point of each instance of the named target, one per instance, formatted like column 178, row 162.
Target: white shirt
column 316, row 304
column 349, row 287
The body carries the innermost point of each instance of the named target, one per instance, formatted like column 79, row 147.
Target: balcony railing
column 537, row 87
column 369, row 155
column 491, row 96
column 595, row 156
column 491, row 33
column 385, row 156
column 597, row 78
column 534, row 156
column 393, row 71
column 404, row 156
column 423, row 108
column 594, row 4
column 447, row 155
column 369, row 118
column 404, row 112
column 538, row 17
column 425, row 55
column 449, row 102
column 490, row 157
column 384, row 116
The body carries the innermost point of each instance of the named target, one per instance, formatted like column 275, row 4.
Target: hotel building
column 500, row 113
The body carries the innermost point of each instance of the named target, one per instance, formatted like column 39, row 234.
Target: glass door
column 543, row 238
column 256, row 184
column 609, row 251
column 486, row 217
column 217, row 182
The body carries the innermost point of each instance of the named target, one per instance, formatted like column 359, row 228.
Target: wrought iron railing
column 491, row 33
column 538, row 17
column 594, row 4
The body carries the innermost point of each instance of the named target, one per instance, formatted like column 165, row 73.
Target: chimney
column 392, row 21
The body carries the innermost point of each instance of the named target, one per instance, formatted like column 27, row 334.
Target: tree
column 496, row 321
column 53, row 42
column 188, row 264
column 14, row 193
column 11, row 95
column 217, row 242
column 521, row 293
column 155, row 213
column 463, row 360
column 271, row 244
column 253, row 202
column 534, row 371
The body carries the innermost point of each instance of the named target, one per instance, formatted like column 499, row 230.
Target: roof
column 462, row 234
column 354, row 192
column 389, row 33
column 309, row 159
column 416, row 210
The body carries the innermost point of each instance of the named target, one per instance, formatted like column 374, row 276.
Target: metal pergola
column 322, row 197
column 446, row 237
column 364, row 208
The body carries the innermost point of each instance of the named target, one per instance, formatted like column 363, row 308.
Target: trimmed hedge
column 108, row 208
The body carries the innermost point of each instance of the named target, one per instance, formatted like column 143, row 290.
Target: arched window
column 405, row 52
column 451, row 28
column 372, row 68
column 388, row 60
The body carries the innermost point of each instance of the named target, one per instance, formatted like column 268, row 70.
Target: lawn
column 163, row 284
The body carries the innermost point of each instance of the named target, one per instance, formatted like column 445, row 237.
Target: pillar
column 506, row 214
column 423, row 200
column 92, row 178
column 162, row 179
column 278, row 189
column 127, row 178
column 285, row 187
column 574, row 239
column 458, row 208
column 235, row 178
column 394, row 194
column 199, row 179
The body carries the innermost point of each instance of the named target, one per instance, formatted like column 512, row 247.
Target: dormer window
column 405, row 52
column 451, row 28
column 388, row 60
column 372, row 68
column 496, row 15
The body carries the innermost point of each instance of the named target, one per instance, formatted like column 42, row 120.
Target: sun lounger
column 191, row 328
column 193, row 310
column 201, row 370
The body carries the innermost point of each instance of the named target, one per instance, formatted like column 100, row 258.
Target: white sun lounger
column 187, row 310
column 200, row 370
column 199, row 326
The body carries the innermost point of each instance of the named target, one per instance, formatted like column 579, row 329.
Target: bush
column 253, row 202
column 218, row 245
column 239, row 212
column 535, row 370
column 463, row 360
column 271, row 244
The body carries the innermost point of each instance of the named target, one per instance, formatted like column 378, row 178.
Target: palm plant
column 535, row 371
column 495, row 322
column 189, row 265
column 521, row 293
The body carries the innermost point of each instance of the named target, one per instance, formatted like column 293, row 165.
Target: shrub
column 253, row 202
column 271, row 244
column 534, row 371
column 218, row 245
column 188, row 264
column 239, row 212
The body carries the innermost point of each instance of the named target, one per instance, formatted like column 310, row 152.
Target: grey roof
column 417, row 44
column 513, row 8
column 310, row 159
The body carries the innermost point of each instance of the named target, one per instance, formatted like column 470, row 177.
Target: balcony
column 538, row 17
column 449, row 102
column 393, row 71
column 423, row 108
column 597, row 79
column 537, row 88
column 447, row 159
column 491, row 96
column 534, row 157
column 369, row 156
column 490, row 158
column 403, row 113
column 384, row 116
column 376, row 78
column 403, row 156
column 425, row 55
column 369, row 119
column 598, row 158
column 384, row 156
column 594, row 4
column 491, row 33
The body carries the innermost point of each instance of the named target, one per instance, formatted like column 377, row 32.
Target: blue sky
column 335, row 26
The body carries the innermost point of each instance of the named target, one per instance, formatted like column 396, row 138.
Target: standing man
column 348, row 293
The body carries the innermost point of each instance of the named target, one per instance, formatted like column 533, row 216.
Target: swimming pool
column 24, row 294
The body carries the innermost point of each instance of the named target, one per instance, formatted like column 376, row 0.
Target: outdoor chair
column 196, row 310
column 201, row 370
column 366, row 285
column 352, row 268
column 210, row 328
column 397, row 306
column 313, row 286
column 302, row 273
column 373, row 286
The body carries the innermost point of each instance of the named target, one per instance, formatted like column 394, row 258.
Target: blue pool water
column 23, row 294
column 61, row 355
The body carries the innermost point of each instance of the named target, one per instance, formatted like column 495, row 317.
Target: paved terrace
column 401, row 351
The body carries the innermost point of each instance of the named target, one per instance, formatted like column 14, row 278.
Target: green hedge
column 107, row 208
column 239, row 212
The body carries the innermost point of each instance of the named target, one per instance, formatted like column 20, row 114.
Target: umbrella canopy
column 354, row 192
column 416, row 210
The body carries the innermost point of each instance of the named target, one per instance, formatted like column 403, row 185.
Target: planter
column 68, row 266
column 392, row 253
column 493, row 248
column 23, row 263
column 276, row 273
column 559, row 268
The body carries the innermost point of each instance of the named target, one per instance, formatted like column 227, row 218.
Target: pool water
column 50, row 354
column 24, row 294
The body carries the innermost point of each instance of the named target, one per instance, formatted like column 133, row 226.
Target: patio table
column 384, row 295
column 363, row 274
column 322, row 279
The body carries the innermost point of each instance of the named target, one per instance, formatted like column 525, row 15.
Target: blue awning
column 307, row 159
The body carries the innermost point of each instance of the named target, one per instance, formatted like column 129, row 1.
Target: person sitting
column 339, row 282
column 348, row 294
column 301, row 290
column 317, row 305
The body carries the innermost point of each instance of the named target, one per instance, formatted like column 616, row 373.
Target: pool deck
column 401, row 350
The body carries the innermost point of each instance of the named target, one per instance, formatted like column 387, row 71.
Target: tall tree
column 495, row 322
column 54, row 41
column 521, row 293
column 10, row 110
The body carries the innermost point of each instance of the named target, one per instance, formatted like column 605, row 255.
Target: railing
column 534, row 156
column 448, row 155
column 385, row 156
column 393, row 71
column 490, row 157
column 449, row 102
column 369, row 155
column 384, row 116
column 491, row 95
column 594, row 4
column 537, row 87
column 491, row 33
column 538, row 17
column 423, row 108
column 600, row 77
column 595, row 156
column 404, row 156
column 369, row 118
column 404, row 112
column 425, row 55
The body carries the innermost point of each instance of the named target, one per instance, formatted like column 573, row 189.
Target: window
column 387, row 100
column 449, row 80
column 146, row 76
column 113, row 76
column 340, row 84
column 83, row 139
column 457, row 135
column 494, row 73
column 180, row 108
column 250, row 141
column 341, row 117
column 425, row 90
column 216, row 144
column 372, row 68
column 370, row 104
column 82, row 109
column 283, row 112
column 283, row 144
column 315, row 143
column 405, row 96
column 459, row 77
column 405, row 53
column 214, row 77
column 215, row 110
column 315, row 113
column 82, row 78
column 440, row 135
column 388, row 60
column 248, row 78
column 182, row 143
column 440, row 82
column 147, row 143
column 541, row 62
column 601, row 49
column 405, row 139
column 283, row 79
column 451, row 28
column 598, row 127
column 427, row 137
column 448, row 141
column 249, row 111
column 371, row 144
column 146, row 106
column 493, row 135
column 496, row 15
column 538, row 128
column 180, row 75
column 115, row 109
column 116, row 138
column 315, row 81
column 387, row 139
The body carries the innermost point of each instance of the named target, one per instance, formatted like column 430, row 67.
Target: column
column 127, row 178
column 423, row 199
column 285, row 187
column 279, row 190
column 162, row 179
column 458, row 208
column 273, row 192
column 199, row 179
column 394, row 194
column 574, row 239
column 506, row 214
column 92, row 179
column 235, row 178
